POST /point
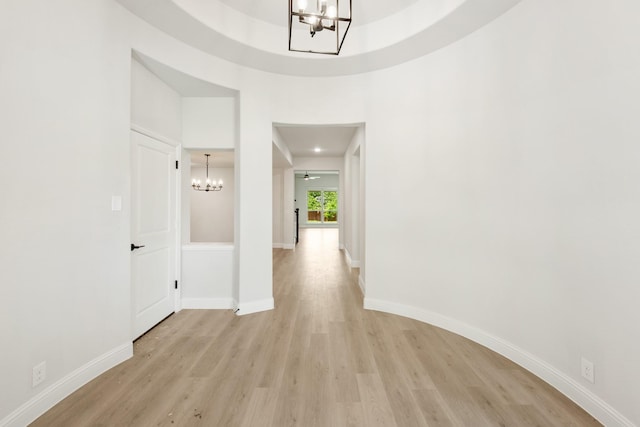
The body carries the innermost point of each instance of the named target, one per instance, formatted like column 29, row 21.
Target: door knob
column 134, row 247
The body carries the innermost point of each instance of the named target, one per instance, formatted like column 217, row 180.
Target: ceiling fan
column 306, row 176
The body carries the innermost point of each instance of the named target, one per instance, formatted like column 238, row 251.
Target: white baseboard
column 255, row 306
column 62, row 388
column 362, row 288
column 591, row 403
column 352, row 263
column 283, row 246
column 207, row 303
column 347, row 256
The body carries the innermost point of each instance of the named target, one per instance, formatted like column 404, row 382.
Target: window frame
column 322, row 210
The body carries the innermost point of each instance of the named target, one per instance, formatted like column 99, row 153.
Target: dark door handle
column 134, row 247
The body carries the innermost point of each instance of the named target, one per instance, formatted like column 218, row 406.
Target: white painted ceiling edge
column 417, row 30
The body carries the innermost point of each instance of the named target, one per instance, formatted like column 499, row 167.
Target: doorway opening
column 317, row 198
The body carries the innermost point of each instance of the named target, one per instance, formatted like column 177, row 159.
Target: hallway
column 318, row 359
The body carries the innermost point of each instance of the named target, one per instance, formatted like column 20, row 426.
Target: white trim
column 151, row 134
column 320, row 225
column 287, row 246
column 352, row 263
column 586, row 399
column 207, row 303
column 255, row 306
column 362, row 287
column 62, row 388
column 177, row 294
column 208, row 246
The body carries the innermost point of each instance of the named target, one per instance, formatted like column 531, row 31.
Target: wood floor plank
column 261, row 407
column 318, row 359
column 343, row 369
column 433, row 410
column 375, row 403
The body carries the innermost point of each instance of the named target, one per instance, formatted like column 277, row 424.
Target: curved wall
column 512, row 156
column 515, row 166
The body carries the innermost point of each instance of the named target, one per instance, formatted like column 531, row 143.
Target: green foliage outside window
column 314, row 200
column 322, row 206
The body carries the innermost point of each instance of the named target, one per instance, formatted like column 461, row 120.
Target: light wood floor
column 318, row 359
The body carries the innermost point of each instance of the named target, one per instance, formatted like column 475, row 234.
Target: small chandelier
column 210, row 184
column 313, row 31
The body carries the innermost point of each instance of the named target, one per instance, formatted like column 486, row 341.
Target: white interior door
column 153, row 228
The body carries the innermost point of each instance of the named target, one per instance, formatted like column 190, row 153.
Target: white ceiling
column 276, row 11
column 303, row 140
column 384, row 33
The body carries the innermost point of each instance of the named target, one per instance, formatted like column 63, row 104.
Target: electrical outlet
column 587, row 370
column 39, row 373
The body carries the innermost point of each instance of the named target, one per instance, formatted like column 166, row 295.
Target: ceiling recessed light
column 317, row 150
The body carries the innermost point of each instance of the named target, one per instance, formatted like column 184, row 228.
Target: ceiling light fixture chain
column 210, row 184
column 328, row 15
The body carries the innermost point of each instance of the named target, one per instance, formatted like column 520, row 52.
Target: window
column 322, row 206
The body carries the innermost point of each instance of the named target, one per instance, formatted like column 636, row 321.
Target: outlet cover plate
column 39, row 373
column 586, row 369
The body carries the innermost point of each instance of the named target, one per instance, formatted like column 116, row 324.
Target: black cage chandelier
column 210, row 185
column 320, row 30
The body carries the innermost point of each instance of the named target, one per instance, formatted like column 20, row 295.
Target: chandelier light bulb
column 210, row 183
column 322, row 16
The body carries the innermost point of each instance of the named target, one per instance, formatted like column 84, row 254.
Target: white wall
column 207, row 276
column 283, row 193
column 514, row 167
column 353, row 200
column 253, row 233
column 155, row 106
column 65, row 107
column 278, row 207
column 212, row 212
column 521, row 141
column 209, row 122
column 185, row 200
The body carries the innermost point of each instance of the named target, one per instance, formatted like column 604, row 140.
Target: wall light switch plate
column 116, row 203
